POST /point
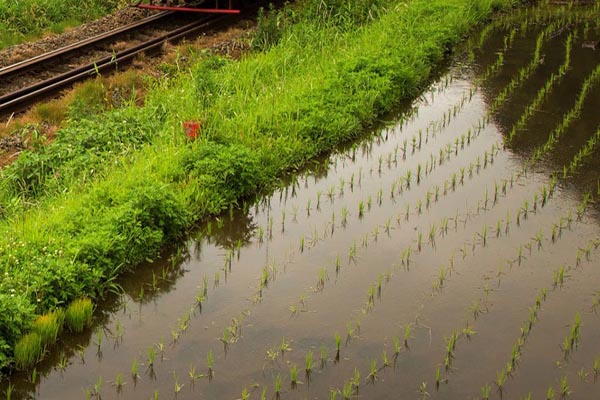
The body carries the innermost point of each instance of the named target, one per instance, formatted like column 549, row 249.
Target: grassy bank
column 26, row 19
column 111, row 190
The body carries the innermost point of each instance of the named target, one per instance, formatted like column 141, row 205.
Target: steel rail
column 19, row 100
column 77, row 46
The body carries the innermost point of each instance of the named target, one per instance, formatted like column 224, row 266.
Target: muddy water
column 327, row 255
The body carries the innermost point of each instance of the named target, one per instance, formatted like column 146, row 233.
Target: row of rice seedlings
column 492, row 69
column 405, row 258
column 559, row 276
column 371, row 295
column 568, row 117
column 584, row 153
column 523, row 20
column 468, row 331
column 526, row 328
column 523, row 74
column 569, row 344
column 544, row 91
column 452, row 111
column 414, row 139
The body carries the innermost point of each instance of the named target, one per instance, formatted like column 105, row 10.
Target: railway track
column 26, row 94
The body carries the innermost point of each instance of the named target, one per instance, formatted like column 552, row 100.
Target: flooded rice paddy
column 452, row 254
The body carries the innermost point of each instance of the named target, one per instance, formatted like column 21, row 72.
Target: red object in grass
column 192, row 129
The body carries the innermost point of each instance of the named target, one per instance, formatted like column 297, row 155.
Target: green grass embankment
column 21, row 20
column 110, row 191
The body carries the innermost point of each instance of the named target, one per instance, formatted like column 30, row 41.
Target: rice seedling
column 596, row 368
column 338, row 343
column 28, row 350
column 407, row 335
column 277, row 386
column 134, row 369
column 485, row 392
column 500, row 380
column 550, row 393
column 323, row 356
column 565, row 391
column 294, row 376
column 308, row 364
column 372, row 377
column 119, row 383
column 423, row 390
column 210, row 362
column 78, row 315
column 98, row 388
column 245, row 394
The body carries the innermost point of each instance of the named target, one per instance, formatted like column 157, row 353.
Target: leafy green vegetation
column 110, row 191
column 23, row 19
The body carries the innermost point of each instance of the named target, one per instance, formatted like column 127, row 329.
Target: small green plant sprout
column 284, row 346
column 176, row 385
column 407, row 335
column 385, row 361
column 277, row 386
column 97, row 392
column 348, row 390
column 323, row 356
column 372, row 377
column 501, row 380
column 245, row 394
column 322, row 278
column 355, row 381
column 333, row 394
column 485, row 392
column 150, row 357
column 210, row 363
column 78, row 315
column 205, row 285
column 565, row 391
column 28, row 350
column 596, row 368
column 468, row 331
column 302, row 244
column 441, row 277
column 575, row 332
column 308, row 364
column 550, row 393
column 423, row 390
column 338, row 344
column 119, row 383
column 134, row 369
column 396, row 347
column 294, row 376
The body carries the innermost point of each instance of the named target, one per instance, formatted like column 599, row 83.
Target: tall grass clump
column 78, row 315
column 28, row 350
column 49, row 325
